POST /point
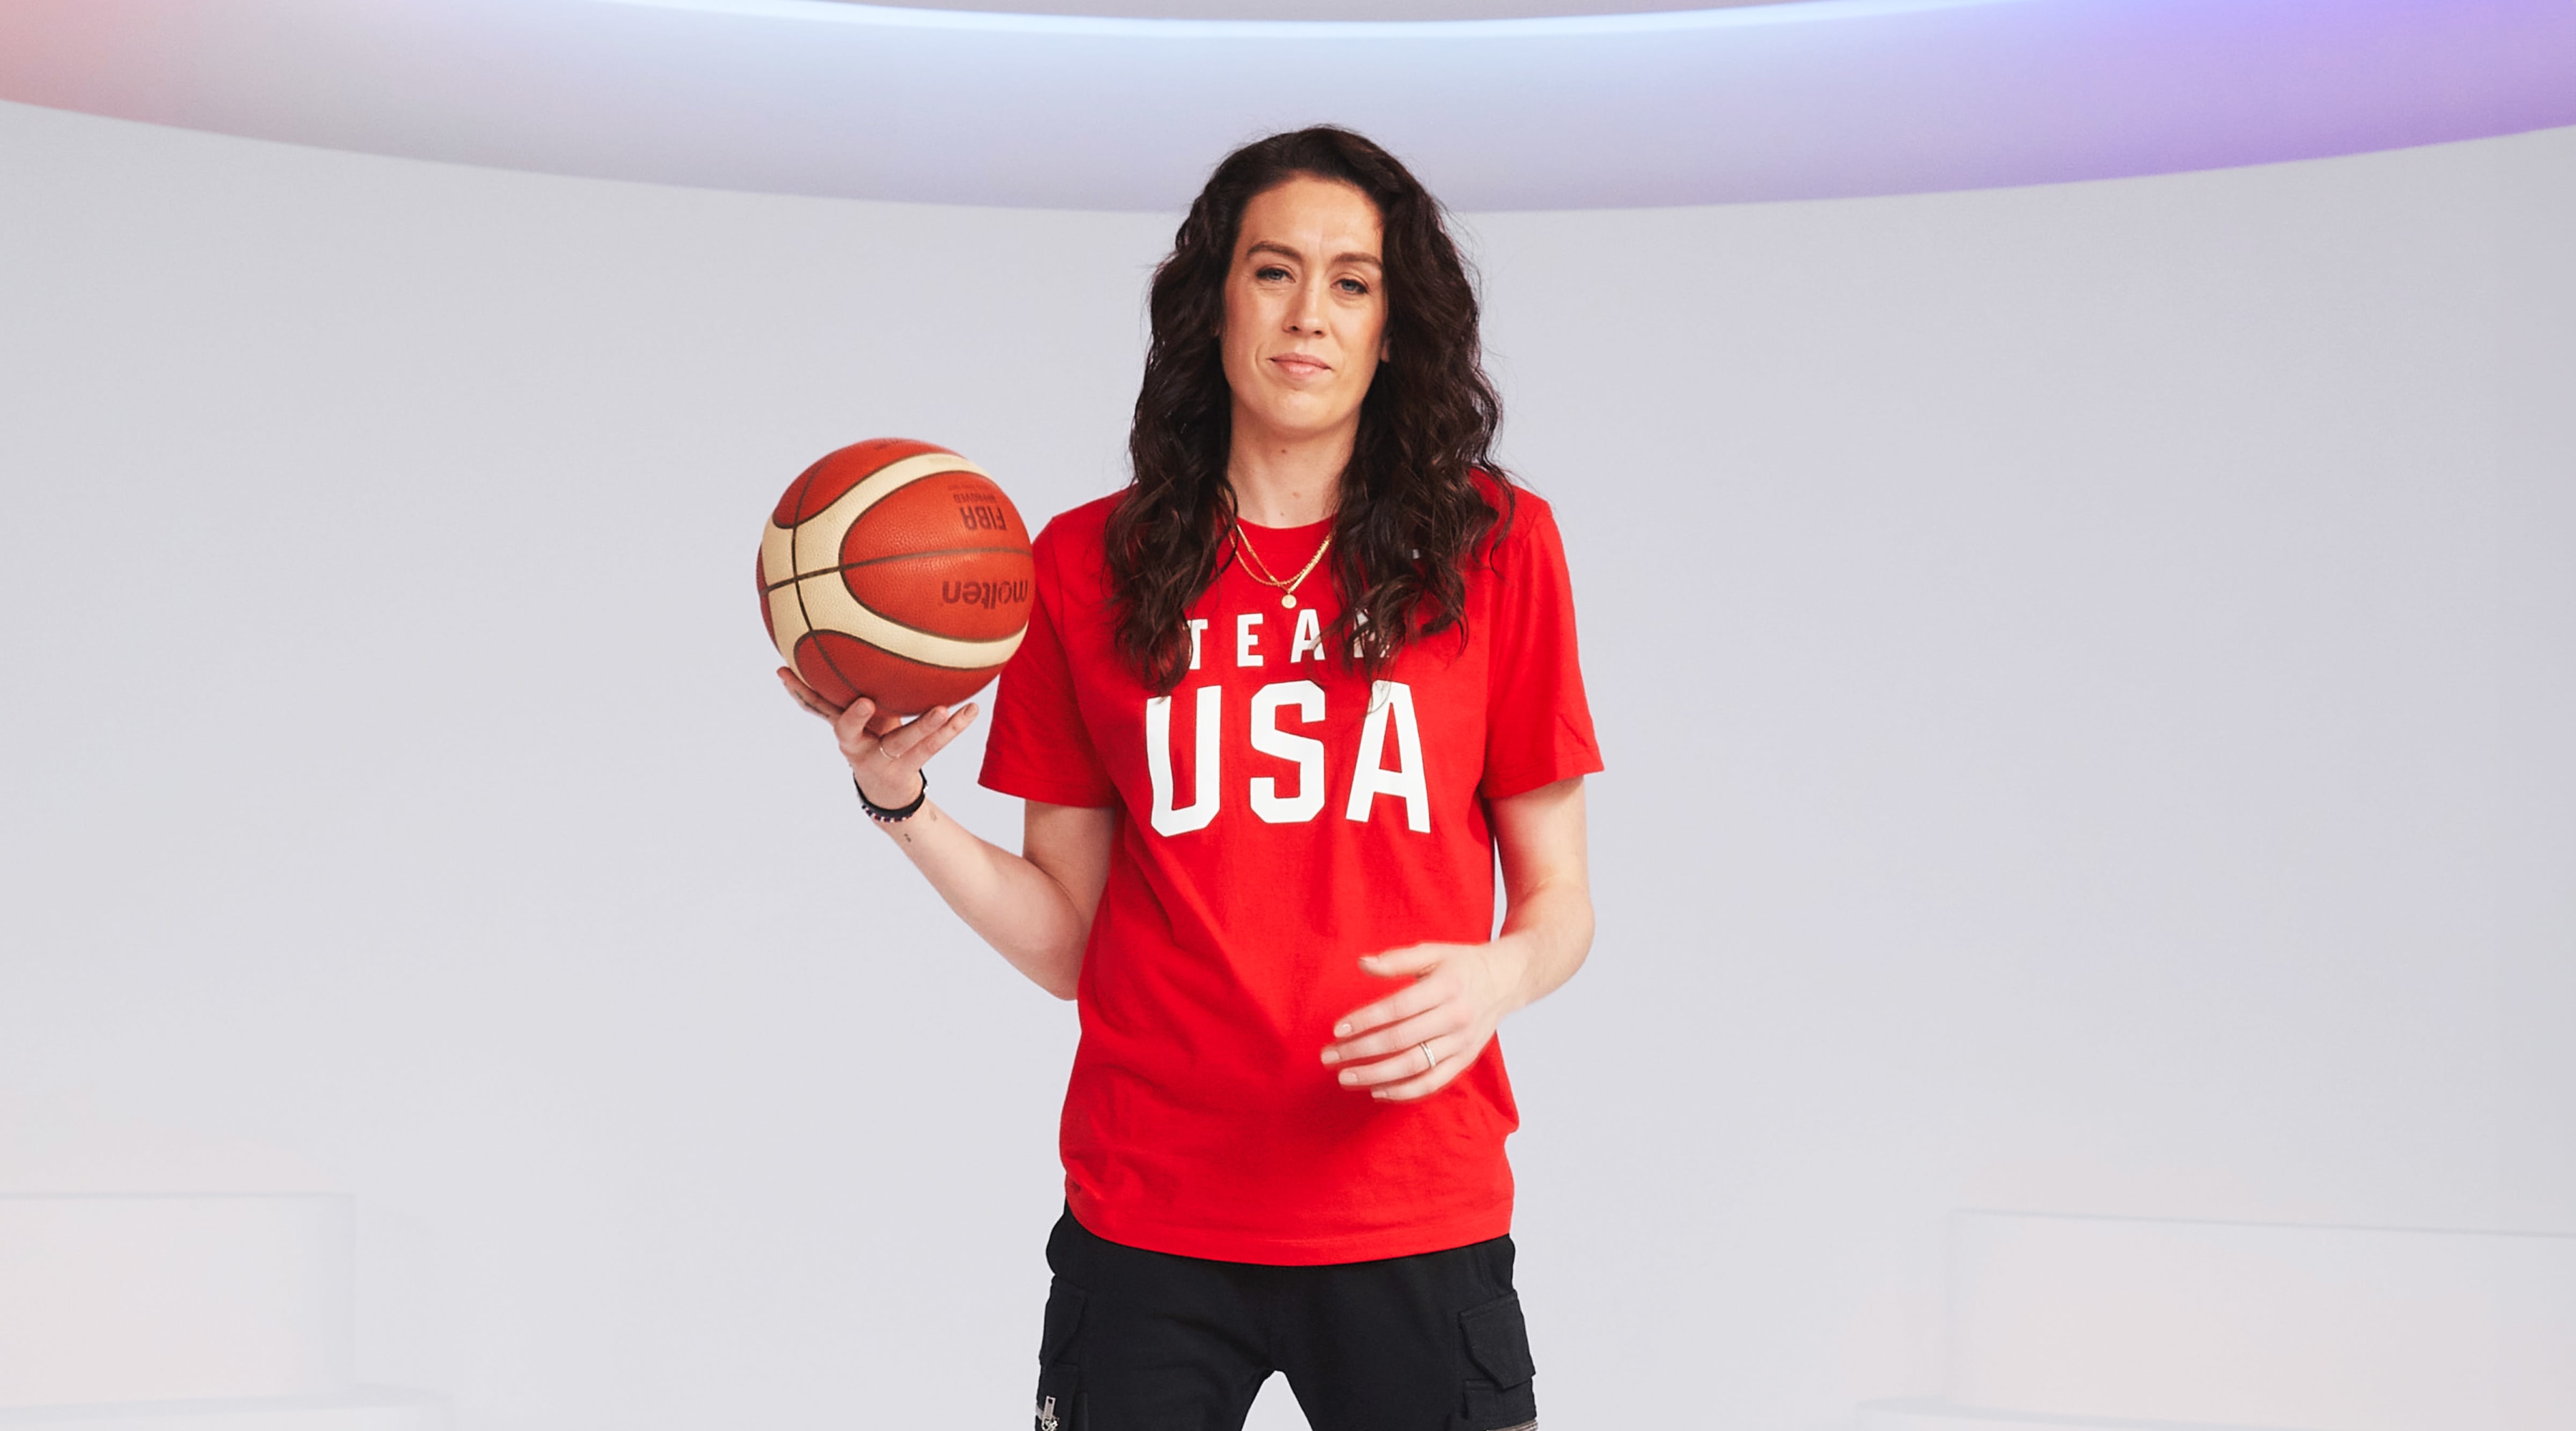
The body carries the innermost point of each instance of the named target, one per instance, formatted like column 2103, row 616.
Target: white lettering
column 1309, row 637
column 1247, row 634
column 1269, row 739
column 1197, row 625
column 1203, row 771
column 1371, row 778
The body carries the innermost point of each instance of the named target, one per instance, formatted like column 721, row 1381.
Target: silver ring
column 1430, row 1060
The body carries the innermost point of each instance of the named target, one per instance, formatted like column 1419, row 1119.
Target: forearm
column 1013, row 904
column 1033, row 907
column 1545, row 938
column 1547, row 926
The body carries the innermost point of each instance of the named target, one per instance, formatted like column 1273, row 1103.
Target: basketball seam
column 795, row 502
column 899, row 556
column 900, row 625
column 897, row 655
column 821, row 650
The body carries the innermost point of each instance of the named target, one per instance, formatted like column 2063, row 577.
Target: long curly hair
column 1412, row 512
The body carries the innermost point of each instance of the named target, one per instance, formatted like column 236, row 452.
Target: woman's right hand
column 885, row 752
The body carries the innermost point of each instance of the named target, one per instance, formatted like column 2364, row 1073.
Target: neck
column 1286, row 481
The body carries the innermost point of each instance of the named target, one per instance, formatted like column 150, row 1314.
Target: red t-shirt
column 1278, row 824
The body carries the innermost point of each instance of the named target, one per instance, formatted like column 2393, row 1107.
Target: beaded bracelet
column 884, row 816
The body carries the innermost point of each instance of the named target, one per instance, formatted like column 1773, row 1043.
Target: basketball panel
column 907, row 688
column 785, row 615
column 966, row 595
column 777, row 555
column 813, row 662
column 836, row 472
column 819, row 538
column 941, row 513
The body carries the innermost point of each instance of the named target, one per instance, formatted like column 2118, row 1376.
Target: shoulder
column 1071, row 541
column 1524, row 523
column 1077, row 528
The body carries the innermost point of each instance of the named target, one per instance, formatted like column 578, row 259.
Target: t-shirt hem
column 1502, row 785
column 1223, row 1246
column 1044, row 793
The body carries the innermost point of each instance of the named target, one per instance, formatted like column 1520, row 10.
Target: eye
column 1357, row 288
column 1270, row 273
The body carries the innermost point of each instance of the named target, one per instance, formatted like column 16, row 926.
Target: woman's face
column 1305, row 311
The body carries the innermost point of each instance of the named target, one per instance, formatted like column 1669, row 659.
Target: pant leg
column 1427, row 1343
column 1146, row 1341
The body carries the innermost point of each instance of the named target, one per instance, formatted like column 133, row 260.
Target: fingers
column 855, row 729
column 1363, row 1029
column 1422, row 1067
column 890, row 763
column 1397, row 1038
column 1417, row 960
column 866, row 726
column 913, row 744
column 1435, row 978
column 1449, row 1066
column 1415, row 1040
column 805, row 695
column 862, row 718
column 866, row 731
column 878, row 744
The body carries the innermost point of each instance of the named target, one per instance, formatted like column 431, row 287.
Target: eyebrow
column 1284, row 251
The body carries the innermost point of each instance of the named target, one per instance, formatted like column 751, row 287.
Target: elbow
column 1577, row 933
column 1054, row 965
column 1064, row 975
column 1064, row 970
column 1058, row 977
column 1567, row 907
column 1580, row 945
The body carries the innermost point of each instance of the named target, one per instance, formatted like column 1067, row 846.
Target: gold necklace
column 1253, row 566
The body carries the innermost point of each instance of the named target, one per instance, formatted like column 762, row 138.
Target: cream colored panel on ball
column 831, row 607
column 777, row 554
column 818, row 537
column 787, row 619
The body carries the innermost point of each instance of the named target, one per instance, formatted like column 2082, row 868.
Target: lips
column 1300, row 366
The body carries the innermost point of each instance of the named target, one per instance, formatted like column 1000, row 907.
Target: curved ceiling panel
column 1335, row 9
column 1823, row 98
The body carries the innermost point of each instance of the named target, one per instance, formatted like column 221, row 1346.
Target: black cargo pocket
column 1059, row 1403
column 1498, row 1343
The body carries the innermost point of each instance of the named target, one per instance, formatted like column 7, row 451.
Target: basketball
column 898, row 571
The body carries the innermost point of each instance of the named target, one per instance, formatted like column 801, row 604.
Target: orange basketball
column 898, row 571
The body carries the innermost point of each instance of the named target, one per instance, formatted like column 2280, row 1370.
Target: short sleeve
column 1039, row 748
column 1538, row 724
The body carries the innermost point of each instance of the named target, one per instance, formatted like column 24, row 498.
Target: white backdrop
column 2084, row 672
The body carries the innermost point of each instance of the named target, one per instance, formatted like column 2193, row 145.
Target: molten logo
column 984, row 593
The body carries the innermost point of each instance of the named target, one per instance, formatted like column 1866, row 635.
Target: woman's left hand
column 1414, row 1041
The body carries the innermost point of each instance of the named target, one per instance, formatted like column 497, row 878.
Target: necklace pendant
column 1288, row 599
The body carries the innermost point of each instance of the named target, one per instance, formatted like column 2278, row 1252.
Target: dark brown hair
column 1412, row 512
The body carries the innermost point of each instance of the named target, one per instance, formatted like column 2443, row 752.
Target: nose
column 1306, row 315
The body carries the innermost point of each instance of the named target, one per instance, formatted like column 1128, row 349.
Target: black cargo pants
column 1146, row 1341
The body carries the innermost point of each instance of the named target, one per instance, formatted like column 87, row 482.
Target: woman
column 1281, row 702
